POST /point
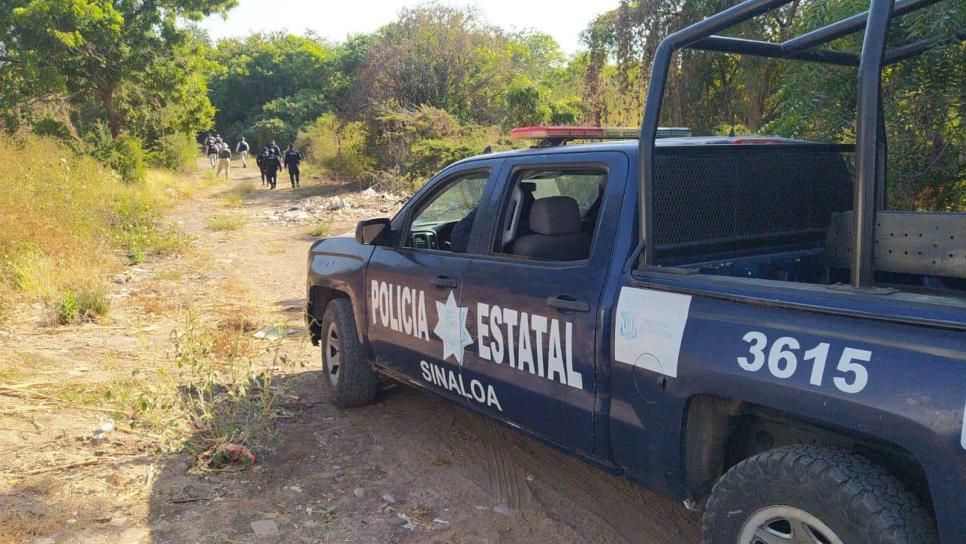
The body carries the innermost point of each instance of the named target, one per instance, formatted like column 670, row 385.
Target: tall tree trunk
column 114, row 119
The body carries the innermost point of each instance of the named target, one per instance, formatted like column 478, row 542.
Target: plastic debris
column 228, row 454
column 104, row 429
column 410, row 522
column 264, row 527
column 275, row 333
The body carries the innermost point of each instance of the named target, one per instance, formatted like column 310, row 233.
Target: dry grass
column 66, row 223
column 217, row 385
column 220, row 223
column 235, row 197
column 320, row 229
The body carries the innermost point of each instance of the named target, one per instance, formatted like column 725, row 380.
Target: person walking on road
column 271, row 165
column 277, row 151
column 224, row 159
column 212, row 151
column 292, row 159
column 242, row 151
column 260, row 162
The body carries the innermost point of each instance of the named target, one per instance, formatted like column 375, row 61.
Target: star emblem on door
column 451, row 328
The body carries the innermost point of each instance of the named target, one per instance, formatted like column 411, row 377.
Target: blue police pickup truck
column 737, row 323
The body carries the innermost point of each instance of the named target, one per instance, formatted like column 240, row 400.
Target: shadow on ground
column 409, row 468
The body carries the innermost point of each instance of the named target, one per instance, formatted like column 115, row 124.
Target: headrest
column 555, row 215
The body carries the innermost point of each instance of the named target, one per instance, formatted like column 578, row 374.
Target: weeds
column 81, row 306
column 226, row 395
column 86, row 304
column 320, row 229
column 70, row 222
column 225, row 223
column 235, row 196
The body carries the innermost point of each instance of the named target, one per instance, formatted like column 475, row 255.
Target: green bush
column 177, row 152
column 128, row 159
column 124, row 154
column 565, row 112
column 67, row 309
column 393, row 129
column 338, row 147
column 526, row 104
column 82, row 305
column 431, row 156
column 399, row 145
column 55, row 128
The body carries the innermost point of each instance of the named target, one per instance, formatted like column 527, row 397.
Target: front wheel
column 813, row 495
column 348, row 378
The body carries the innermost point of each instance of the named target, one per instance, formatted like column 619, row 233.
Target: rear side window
column 583, row 186
column 551, row 213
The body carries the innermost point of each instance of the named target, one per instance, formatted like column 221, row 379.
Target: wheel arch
column 319, row 298
column 721, row 432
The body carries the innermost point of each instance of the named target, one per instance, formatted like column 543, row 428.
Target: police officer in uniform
column 271, row 164
column 242, row 151
column 292, row 159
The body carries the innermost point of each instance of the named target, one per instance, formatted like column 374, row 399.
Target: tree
column 101, row 51
column 526, row 104
column 703, row 90
column 438, row 56
column 534, row 53
column 275, row 81
column 924, row 99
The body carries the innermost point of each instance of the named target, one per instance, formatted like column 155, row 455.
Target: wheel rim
column 786, row 525
column 332, row 354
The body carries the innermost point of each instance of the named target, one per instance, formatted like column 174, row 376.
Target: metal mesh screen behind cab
column 703, row 196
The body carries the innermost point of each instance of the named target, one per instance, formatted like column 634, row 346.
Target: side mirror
column 370, row 231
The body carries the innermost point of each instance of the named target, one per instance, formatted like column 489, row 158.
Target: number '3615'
column 782, row 360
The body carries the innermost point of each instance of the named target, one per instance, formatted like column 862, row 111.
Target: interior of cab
column 445, row 222
column 785, row 214
column 551, row 214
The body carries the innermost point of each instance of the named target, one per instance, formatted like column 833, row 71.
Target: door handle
column 444, row 282
column 567, row 302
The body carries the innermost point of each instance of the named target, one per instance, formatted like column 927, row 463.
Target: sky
column 335, row 20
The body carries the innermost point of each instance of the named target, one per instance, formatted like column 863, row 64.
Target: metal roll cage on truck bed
column 736, row 323
column 870, row 145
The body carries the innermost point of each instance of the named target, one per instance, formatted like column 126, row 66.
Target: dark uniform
column 270, row 166
column 260, row 161
column 292, row 159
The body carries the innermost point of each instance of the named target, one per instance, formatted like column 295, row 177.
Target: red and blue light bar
column 591, row 133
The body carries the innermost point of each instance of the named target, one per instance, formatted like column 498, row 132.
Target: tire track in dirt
column 596, row 505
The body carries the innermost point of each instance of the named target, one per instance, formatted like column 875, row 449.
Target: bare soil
column 410, row 468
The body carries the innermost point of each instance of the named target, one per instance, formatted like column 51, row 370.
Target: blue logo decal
column 628, row 326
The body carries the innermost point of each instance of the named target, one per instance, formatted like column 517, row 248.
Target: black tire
column 348, row 378
column 857, row 500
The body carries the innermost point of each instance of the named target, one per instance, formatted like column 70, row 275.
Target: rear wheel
column 348, row 378
column 813, row 495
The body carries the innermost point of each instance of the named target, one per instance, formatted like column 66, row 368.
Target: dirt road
column 409, row 468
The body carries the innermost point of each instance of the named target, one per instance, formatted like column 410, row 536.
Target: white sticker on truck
column 649, row 329
column 962, row 436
